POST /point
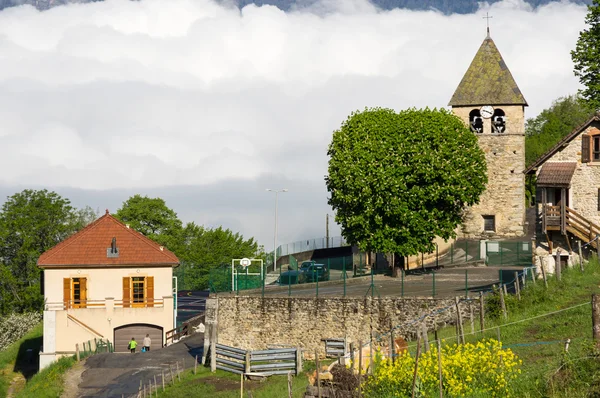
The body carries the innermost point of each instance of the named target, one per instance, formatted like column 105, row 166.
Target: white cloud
column 156, row 93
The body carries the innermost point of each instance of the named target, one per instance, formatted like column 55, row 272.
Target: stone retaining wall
column 257, row 323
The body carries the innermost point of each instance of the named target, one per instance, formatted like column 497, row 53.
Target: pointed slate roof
column 487, row 81
column 89, row 248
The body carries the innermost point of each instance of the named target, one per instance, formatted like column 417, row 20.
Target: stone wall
column 504, row 196
column 256, row 323
column 583, row 194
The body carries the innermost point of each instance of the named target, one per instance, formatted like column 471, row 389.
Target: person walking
column 147, row 342
column 132, row 345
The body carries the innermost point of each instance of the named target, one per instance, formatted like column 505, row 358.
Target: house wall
column 583, row 194
column 504, row 196
column 61, row 332
column 105, row 282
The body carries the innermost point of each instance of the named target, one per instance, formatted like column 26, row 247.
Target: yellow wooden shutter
column 67, row 292
column 150, row 291
column 83, row 292
column 126, row 291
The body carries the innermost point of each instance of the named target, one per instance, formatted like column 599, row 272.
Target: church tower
column 489, row 101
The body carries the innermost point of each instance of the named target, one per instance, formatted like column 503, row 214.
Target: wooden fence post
column 178, row 376
column 163, row 379
column 360, row 369
column 414, row 383
column 596, row 319
column 424, row 333
column 195, row 364
column 290, row 385
column 299, row 361
column 318, row 372
column 439, row 355
column 481, row 313
column 172, row 378
column 392, row 346
column 155, row 385
column 502, row 303
column 558, row 268
column 77, row 351
column 461, row 335
column 471, row 318
column 580, row 256
column 542, row 261
column 517, row 287
column 247, row 362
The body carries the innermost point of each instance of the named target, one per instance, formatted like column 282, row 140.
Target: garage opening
column 123, row 334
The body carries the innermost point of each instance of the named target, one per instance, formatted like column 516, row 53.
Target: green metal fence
column 508, row 253
column 221, row 279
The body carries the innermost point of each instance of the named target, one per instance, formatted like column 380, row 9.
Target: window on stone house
column 489, row 223
column 596, row 148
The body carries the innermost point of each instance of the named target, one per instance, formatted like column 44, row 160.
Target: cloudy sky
column 207, row 105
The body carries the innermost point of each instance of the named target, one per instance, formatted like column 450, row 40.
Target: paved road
column 119, row 374
column 449, row 282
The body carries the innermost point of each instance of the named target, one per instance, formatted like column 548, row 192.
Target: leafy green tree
column 208, row 249
column 199, row 249
column 398, row 180
column 586, row 56
column 31, row 222
column 552, row 124
column 153, row 218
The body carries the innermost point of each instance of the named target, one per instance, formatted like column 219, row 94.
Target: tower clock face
column 486, row 111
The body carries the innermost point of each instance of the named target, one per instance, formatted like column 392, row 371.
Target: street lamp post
column 275, row 235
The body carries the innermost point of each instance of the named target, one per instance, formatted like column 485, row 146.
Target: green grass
column 14, row 363
column 227, row 385
column 15, row 353
column 49, row 382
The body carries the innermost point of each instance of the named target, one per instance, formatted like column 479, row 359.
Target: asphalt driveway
column 119, row 374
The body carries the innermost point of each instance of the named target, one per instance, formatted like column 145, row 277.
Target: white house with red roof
column 105, row 282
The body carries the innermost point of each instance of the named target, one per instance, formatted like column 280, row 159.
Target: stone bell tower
column 489, row 101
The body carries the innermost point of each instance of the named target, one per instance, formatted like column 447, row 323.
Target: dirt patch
column 221, row 384
column 16, row 385
column 72, row 380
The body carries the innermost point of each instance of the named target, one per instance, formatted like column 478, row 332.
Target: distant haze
column 207, row 105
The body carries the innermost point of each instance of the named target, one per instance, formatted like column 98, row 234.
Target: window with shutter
column 150, row 291
column 126, row 292
column 585, row 148
column 67, row 293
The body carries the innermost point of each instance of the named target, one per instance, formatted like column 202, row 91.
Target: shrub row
column 15, row 326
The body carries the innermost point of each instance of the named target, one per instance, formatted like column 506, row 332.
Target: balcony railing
column 77, row 304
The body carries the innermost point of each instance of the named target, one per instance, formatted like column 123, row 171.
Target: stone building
column 568, row 187
column 491, row 104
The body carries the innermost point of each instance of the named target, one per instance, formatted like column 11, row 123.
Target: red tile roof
column 88, row 247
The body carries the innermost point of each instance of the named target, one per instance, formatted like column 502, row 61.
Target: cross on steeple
column 487, row 17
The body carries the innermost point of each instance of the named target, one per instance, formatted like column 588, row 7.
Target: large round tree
column 398, row 180
column 586, row 56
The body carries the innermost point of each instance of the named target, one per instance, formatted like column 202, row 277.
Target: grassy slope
column 9, row 356
column 539, row 342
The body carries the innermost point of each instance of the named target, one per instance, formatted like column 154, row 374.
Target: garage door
column 123, row 335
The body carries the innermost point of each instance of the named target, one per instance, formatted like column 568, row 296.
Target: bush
column 483, row 369
column 15, row 326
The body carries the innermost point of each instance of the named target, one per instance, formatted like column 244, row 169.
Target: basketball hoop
column 245, row 262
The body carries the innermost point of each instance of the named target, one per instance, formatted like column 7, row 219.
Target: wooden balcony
column 566, row 220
